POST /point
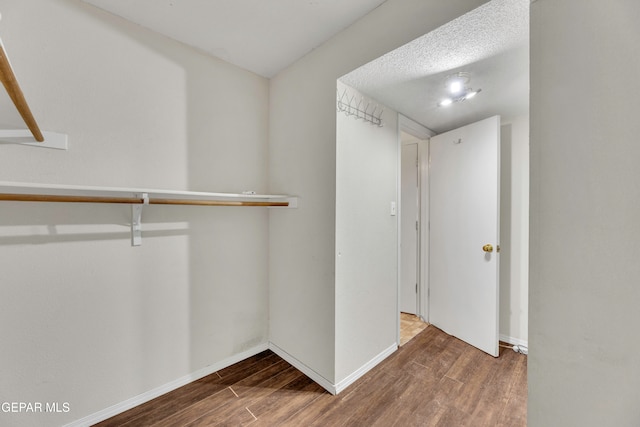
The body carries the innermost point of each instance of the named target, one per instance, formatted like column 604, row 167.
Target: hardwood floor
column 433, row 380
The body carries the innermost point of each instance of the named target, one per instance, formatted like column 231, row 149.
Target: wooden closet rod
column 15, row 93
column 132, row 200
column 214, row 203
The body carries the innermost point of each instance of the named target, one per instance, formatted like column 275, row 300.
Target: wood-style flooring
column 433, row 380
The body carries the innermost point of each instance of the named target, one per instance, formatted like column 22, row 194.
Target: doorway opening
column 413, row 231
column 410, row 82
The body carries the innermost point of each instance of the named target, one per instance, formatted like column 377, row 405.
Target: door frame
column 406, row 250
column 419, row 131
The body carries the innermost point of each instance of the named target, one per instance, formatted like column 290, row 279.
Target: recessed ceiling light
column 445, row 102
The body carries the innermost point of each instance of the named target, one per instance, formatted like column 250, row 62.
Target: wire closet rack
column 359, row 107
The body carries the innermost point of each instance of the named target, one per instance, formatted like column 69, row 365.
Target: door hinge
column 416, row 225
column 416, row 288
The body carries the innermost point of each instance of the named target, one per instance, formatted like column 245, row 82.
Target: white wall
column 302, row 161
column 84, row 317
column 514, row 230
column 366, row 239
column 584, row 367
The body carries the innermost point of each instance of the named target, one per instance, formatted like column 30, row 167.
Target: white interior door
column 409, row 230
column 464, row 217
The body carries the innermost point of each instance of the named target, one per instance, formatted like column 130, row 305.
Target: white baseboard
column 514, row 341
column 322, row 381
column 194, row 376
column 163, row 389
column 365, row 368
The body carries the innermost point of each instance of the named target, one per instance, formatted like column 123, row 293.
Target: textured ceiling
column 491, row 43
column 258, row 35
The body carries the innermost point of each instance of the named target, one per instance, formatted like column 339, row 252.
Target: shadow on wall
column 51, row 223
column 225, row 133
column 225, row 138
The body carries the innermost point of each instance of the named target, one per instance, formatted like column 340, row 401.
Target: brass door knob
column 487, row 248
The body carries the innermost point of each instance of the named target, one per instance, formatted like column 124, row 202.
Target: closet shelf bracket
column 136, row 219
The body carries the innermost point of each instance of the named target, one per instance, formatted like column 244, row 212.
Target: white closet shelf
column 58, row 141
column 135, row 195
column 137, row 198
